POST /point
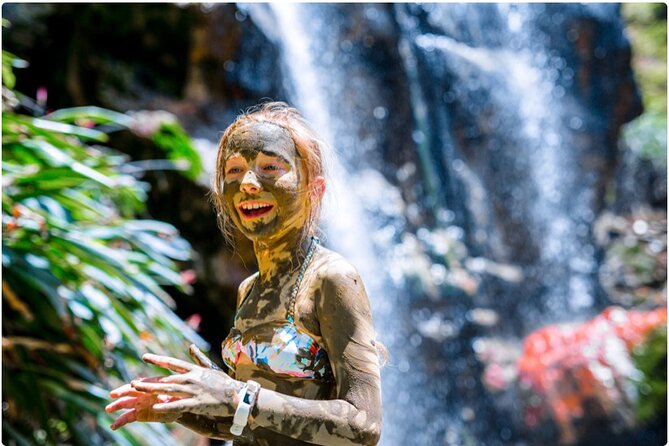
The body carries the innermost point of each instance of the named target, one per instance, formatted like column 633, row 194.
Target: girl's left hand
column 200, row 390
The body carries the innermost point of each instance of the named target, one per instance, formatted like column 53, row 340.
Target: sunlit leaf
column 80, row 132
column 96, row 115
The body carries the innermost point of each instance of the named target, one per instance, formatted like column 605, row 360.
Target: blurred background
column 497, row 176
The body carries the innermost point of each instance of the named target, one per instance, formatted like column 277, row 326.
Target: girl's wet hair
column 309, row 149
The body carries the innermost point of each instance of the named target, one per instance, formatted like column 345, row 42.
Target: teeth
column 254, row 205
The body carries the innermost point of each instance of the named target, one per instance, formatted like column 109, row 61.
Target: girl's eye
column 234, row 170
column 271, row 167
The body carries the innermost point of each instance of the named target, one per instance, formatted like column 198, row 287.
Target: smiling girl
column 302, row 357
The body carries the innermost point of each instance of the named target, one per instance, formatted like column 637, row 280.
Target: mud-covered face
column 263, row 188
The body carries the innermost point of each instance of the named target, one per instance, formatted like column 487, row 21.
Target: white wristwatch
column 247, row 398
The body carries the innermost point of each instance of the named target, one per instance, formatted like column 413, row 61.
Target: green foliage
column 175, row 142
column 647, row 29
column 82, row 278
column 647, row 137
column 8, row 61
column 636, row 261
column 651, row 359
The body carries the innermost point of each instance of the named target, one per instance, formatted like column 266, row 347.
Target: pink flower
column 188, row 276
column 194, row 321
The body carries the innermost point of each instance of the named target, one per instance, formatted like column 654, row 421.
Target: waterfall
column 527, row 88
column 563, row 217
column 352, row 206
column 558, row 218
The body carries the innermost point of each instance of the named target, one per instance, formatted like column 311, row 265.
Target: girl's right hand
column 140, row 405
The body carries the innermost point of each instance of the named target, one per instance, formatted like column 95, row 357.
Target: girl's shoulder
column 332, row 266
column 338, row 281
column 245, row 287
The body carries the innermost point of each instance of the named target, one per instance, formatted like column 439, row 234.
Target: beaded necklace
column 293, row 293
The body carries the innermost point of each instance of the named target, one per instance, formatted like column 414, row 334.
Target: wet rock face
column 486, row 71
column 525, row 105
column 95, row 54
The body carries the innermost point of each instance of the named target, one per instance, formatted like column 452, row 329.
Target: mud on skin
column 265, row 196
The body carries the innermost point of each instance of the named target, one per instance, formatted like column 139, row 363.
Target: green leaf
column 73, row 130
column 178, row 146
column 96, row 115
column 174, row 248
column 8, row 61
column 650, row 358
column 39, row 279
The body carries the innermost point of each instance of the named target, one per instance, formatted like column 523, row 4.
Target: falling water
column 307, row 93
column 558, row 212
column 557, row 215
column 355, row 199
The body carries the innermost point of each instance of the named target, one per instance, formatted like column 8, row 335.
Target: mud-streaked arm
column 348, row 336
column 211, row 427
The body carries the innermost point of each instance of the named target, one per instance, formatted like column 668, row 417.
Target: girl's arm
column 211, row 427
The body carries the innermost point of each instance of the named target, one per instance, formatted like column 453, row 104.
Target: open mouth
column 255, row 209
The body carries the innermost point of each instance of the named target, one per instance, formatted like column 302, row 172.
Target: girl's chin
column 259, row 228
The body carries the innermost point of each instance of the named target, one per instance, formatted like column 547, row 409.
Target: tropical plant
column 646, row 24
column 83, row 278
column 651, row 359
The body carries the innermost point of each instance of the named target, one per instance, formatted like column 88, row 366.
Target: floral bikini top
column 278, row 346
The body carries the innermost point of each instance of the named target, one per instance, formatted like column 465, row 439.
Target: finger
column 163, row 388
column 166, row 362
column 168, row 398
column 180, row 378
column 129, row 390
column 177, row 406
column 127, row 402
column 124, row 390
column 202, row 359
column 124, row 419
column 199, row 357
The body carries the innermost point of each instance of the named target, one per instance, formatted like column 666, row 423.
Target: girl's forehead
column 261, row 137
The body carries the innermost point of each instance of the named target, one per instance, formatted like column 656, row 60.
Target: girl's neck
column 280, row 256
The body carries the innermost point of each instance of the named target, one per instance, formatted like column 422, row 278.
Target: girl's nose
column 250, row 183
